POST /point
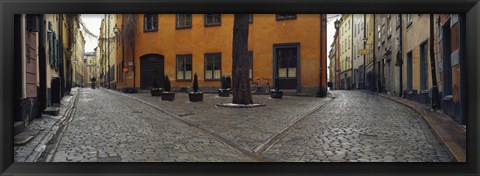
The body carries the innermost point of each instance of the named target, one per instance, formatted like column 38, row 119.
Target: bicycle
column 256, row 86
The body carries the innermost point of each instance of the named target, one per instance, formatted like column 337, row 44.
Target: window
column 184, row 67
column 286, row 16
column 250, row 64
column 250, row 18
column 184, row 21
column 409, row 20
column 150, row 22
column 287, row 62
column 213, row 66
column 212, row 20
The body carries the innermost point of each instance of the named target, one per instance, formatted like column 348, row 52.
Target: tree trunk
column 240, row 64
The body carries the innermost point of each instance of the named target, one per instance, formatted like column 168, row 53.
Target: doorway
column 151, row 68
column 286, row 66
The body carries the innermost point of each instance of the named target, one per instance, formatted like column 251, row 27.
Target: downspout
column 351, row 59
column 108, row 51
column 463, row 81
column 123, row 49
column 321, row 92
column 364, row 47
column 374, row 56
column 435, row 94
column 401, row 55
column 133, row 53
column 23, row 43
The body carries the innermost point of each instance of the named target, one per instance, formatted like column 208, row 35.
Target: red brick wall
column 31, row 64
column 455, row 37
column 456, row 83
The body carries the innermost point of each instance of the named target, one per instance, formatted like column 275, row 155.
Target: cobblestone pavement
column 39, row 128
column 360, row 127
column 113, row 128
column 356, row 126
column 247, row 127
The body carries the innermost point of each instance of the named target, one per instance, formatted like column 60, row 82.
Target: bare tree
column 240, row 64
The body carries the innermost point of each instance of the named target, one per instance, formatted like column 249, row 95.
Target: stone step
column 18, row 127
column 52, row 111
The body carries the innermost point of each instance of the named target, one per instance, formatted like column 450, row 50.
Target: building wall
column 414, row 35
column 370, row 27
column 264, row 32
column 358, row 61
column 387, row 48
column 346, row 51
column 337, row 60
column 451, row 102
column 78, row 58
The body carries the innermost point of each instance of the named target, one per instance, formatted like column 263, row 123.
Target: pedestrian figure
column 94, row 80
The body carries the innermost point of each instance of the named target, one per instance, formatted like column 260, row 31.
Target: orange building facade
column 284, row 46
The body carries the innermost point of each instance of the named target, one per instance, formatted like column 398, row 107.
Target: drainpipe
column 351, row 59
column 401, row 56
column 364, row 47
column 374, row 56
column 321, row 92
column 463, row 82
column 435, row 94
column 24, row 59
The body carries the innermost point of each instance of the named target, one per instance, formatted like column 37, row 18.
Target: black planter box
column 156, row 92
column 195, row 97
column 223, row 92
column 276, row 94
column 168, row 96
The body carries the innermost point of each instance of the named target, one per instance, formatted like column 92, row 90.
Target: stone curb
column 447, row 139
column 42, row 145
column 331, row 94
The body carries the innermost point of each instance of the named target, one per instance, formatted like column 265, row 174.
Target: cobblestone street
column 355, row 126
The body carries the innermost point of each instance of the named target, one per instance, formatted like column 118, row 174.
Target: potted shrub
column 167, row 95
column 228, row 82
column 156, row 90
column 276, row 93
column 195, row 96
column 224, row 91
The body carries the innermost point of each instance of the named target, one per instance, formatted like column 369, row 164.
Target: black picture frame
column 469, row 9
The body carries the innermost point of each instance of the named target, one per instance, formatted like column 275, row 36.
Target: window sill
column 207, row 80
column 287, row 18
column 183, row 80
column 187, row 27
column 152, row 30
column 211, row 25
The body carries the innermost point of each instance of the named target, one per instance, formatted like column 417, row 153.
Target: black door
column 151, row 68
column 286, row 68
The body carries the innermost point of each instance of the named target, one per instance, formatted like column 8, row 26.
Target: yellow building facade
column 416, row 52
column 283, row 46
column 345, row 51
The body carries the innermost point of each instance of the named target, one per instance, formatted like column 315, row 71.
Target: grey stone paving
column 356, row 126
column 116, row 128
column 247, row 127
column 360, row 127
column 39, row 128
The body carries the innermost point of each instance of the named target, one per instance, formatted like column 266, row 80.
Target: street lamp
column 116, row 30
column 337, row 24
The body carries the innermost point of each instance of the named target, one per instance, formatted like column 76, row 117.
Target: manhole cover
column 110, row 159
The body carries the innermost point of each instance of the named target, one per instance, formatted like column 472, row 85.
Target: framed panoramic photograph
column 239, row 87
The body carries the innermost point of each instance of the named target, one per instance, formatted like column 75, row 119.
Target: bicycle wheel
column 253, row 88
column 267, row 88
